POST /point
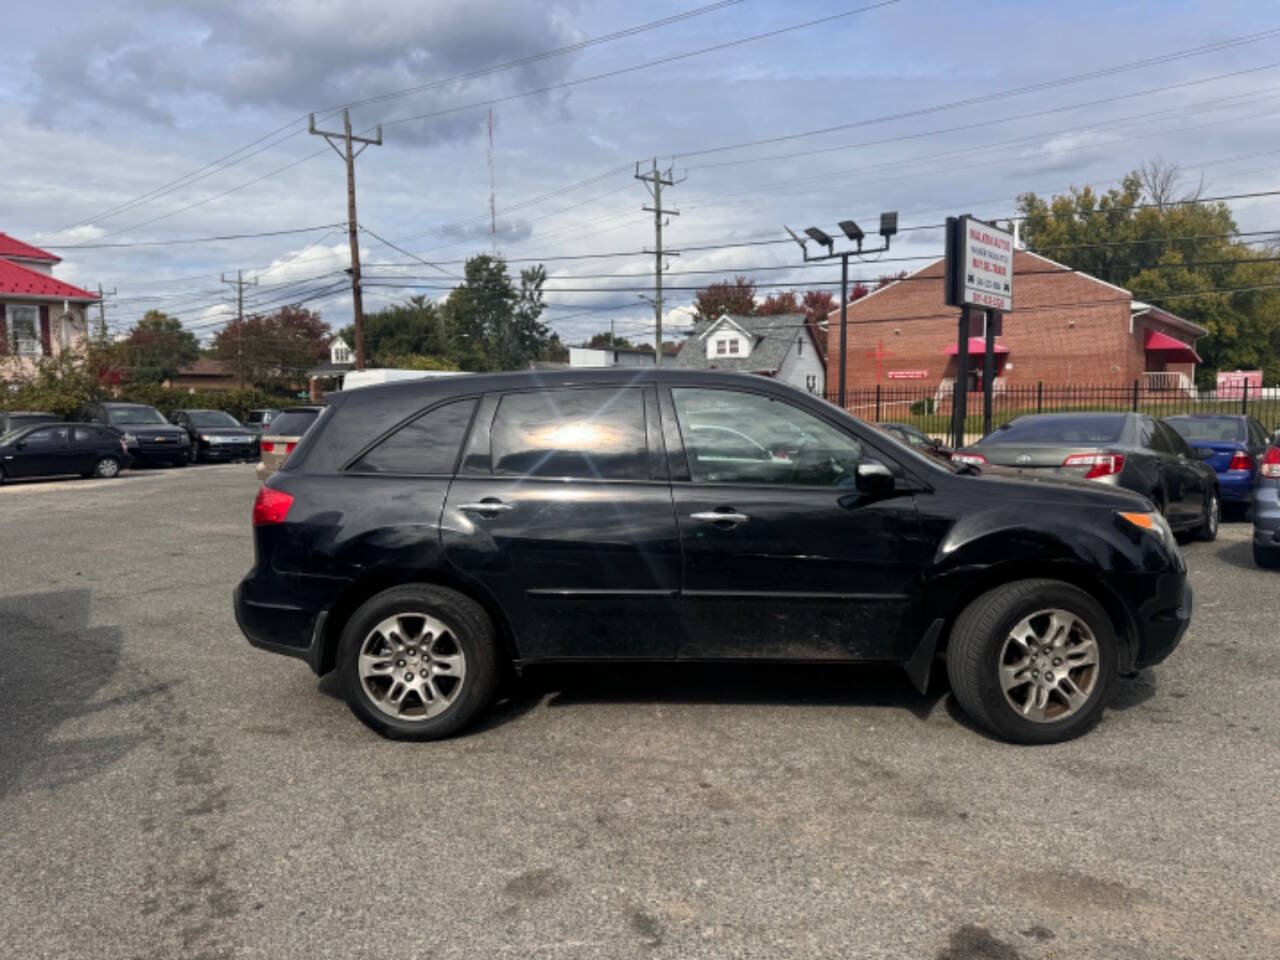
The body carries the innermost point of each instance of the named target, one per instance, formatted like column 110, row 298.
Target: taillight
column 1240, row 461
column 288, row 447
column 268, row 447
column 1099, row 464
column 1270, row 463
column 961, row 457
column 271, row 506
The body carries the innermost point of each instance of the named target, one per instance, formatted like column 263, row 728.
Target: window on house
column 24, row 328
column 722, row 347
column 341, row 354
column 733, row 345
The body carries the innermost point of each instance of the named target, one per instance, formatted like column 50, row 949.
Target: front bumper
column 158, row 452
column 229, row 451
column 1165, row 618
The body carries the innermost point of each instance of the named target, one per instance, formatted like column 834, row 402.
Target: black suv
column 149, row 437
column 423, row 533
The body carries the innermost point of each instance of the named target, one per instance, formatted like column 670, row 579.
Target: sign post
column 979, row 273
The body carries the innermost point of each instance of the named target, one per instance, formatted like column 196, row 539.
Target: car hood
column 1006, row 482
column 150, row 431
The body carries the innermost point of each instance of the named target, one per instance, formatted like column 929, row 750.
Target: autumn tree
column 737, row 298
column 784, row 301
column 273, row 347
column 157, row 346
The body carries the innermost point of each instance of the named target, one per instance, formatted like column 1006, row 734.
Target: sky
column 155, row 125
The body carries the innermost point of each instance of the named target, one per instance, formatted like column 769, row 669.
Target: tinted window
column 588, row 434
column 211, row 418
column 1064, row 428
column 293, row 423
column 1158, row 439
column 134, row 415
column 47, row 435
column 426, row 445
column 735, row 437
column 89, row 435
column 1211, row 429
column 1173, row 442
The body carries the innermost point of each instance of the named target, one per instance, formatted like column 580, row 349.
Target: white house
column 782, row 346
column 40, row 315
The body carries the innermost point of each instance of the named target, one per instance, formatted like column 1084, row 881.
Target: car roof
column 1069, row 414
column 1206, row 416
column 28, row 413
column 121, row 403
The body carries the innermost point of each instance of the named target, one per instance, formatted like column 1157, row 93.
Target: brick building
column 1067, row 328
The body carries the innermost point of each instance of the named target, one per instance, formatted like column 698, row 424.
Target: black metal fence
column 929, row 408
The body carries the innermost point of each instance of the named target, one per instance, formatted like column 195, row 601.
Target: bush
column 922, row 407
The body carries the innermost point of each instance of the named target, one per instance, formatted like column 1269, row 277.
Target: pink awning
column 976, row 345
column 1173, row 349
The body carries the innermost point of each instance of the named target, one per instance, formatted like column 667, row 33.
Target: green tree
column 605, row 340
column 1172, row 250
column 494, row 324
column 414, row 328
column 157, row 346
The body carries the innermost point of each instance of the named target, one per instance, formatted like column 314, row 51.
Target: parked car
column 913, row 436
column 216, row 435
column 149, row 436
column 423, row 534
column 57, row 449
column 1266, row 509
column 256, row 420
column 282, row 435
column 13, row 419
column 1231, row 444
column 1130, row 450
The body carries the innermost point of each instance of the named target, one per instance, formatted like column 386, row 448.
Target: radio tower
column 493, row 209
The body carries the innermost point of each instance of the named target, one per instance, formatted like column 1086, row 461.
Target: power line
column 989, row 97
column 169, row 243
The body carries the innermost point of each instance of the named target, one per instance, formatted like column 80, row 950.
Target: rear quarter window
column 293, row 423
column 426, row 445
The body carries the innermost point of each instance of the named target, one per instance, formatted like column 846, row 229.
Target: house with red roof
column 40, row 315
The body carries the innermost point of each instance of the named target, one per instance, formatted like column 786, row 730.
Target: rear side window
column 293, row 423
column 584, row 434
column 425, row 445
column 1062, row 428
column 1210, row 429
column 88, row 434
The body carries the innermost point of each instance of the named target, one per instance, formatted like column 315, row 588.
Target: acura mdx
column 425, row 535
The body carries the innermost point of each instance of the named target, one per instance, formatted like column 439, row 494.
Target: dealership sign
column 1233, row 384
column 979, row 265
column 908, row 374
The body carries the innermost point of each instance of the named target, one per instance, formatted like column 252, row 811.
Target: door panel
column 44, row 453
column 557, row 515
column 803, row 566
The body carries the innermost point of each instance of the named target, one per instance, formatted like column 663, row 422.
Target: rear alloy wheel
column 106, row 468
column 418, row 662
column 1033, row 661
column 1208, row 530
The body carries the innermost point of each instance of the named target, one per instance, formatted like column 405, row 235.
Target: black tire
column 476, row 639
column 1208, row 531
column 106, row 468
column 1266, row 557
column 977, row 646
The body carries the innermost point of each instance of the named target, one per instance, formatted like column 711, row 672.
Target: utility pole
column 346, row 138
column 102, row 332
column 654, row 181
column 239, row 282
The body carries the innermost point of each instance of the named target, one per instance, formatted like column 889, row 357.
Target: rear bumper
column 1266, row 513
column 280, row 627
column 1235, row 486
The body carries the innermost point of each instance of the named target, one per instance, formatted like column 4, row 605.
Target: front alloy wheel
column 1049, row 665
column 412, row 667
column 106, row 468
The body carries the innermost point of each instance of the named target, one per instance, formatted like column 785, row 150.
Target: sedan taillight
column 268, row 447
column 961, row 456
column 1097, row 464
column 1270, row 463
column 1240, row 460
column 288, row 447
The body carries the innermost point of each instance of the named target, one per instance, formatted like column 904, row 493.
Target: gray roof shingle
column 771, row 337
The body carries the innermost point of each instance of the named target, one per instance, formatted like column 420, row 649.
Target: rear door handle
column 487, row 506
column 715, row 516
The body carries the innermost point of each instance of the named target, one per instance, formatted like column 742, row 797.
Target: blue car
column 1230, row 443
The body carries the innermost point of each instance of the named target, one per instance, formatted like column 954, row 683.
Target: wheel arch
column 376, row 581
column 1076, row 574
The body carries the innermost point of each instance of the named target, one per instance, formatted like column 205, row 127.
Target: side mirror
column 873, row 477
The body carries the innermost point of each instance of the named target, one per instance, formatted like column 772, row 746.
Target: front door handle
column 486, row 506
column 716, row 516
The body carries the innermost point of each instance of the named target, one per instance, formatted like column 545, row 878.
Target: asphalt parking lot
column 167, row 791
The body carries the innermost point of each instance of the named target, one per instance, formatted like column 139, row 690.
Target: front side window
column 735, row 437
column 24, row 328
column 583, row 434
column 46, row 436
column 427, row 445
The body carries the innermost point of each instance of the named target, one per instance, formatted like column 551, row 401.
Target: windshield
column 1059, row 428
column 130, row 416
column 8, row 438
column 212, row 418
column 1209, row 429
column 293, row 423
